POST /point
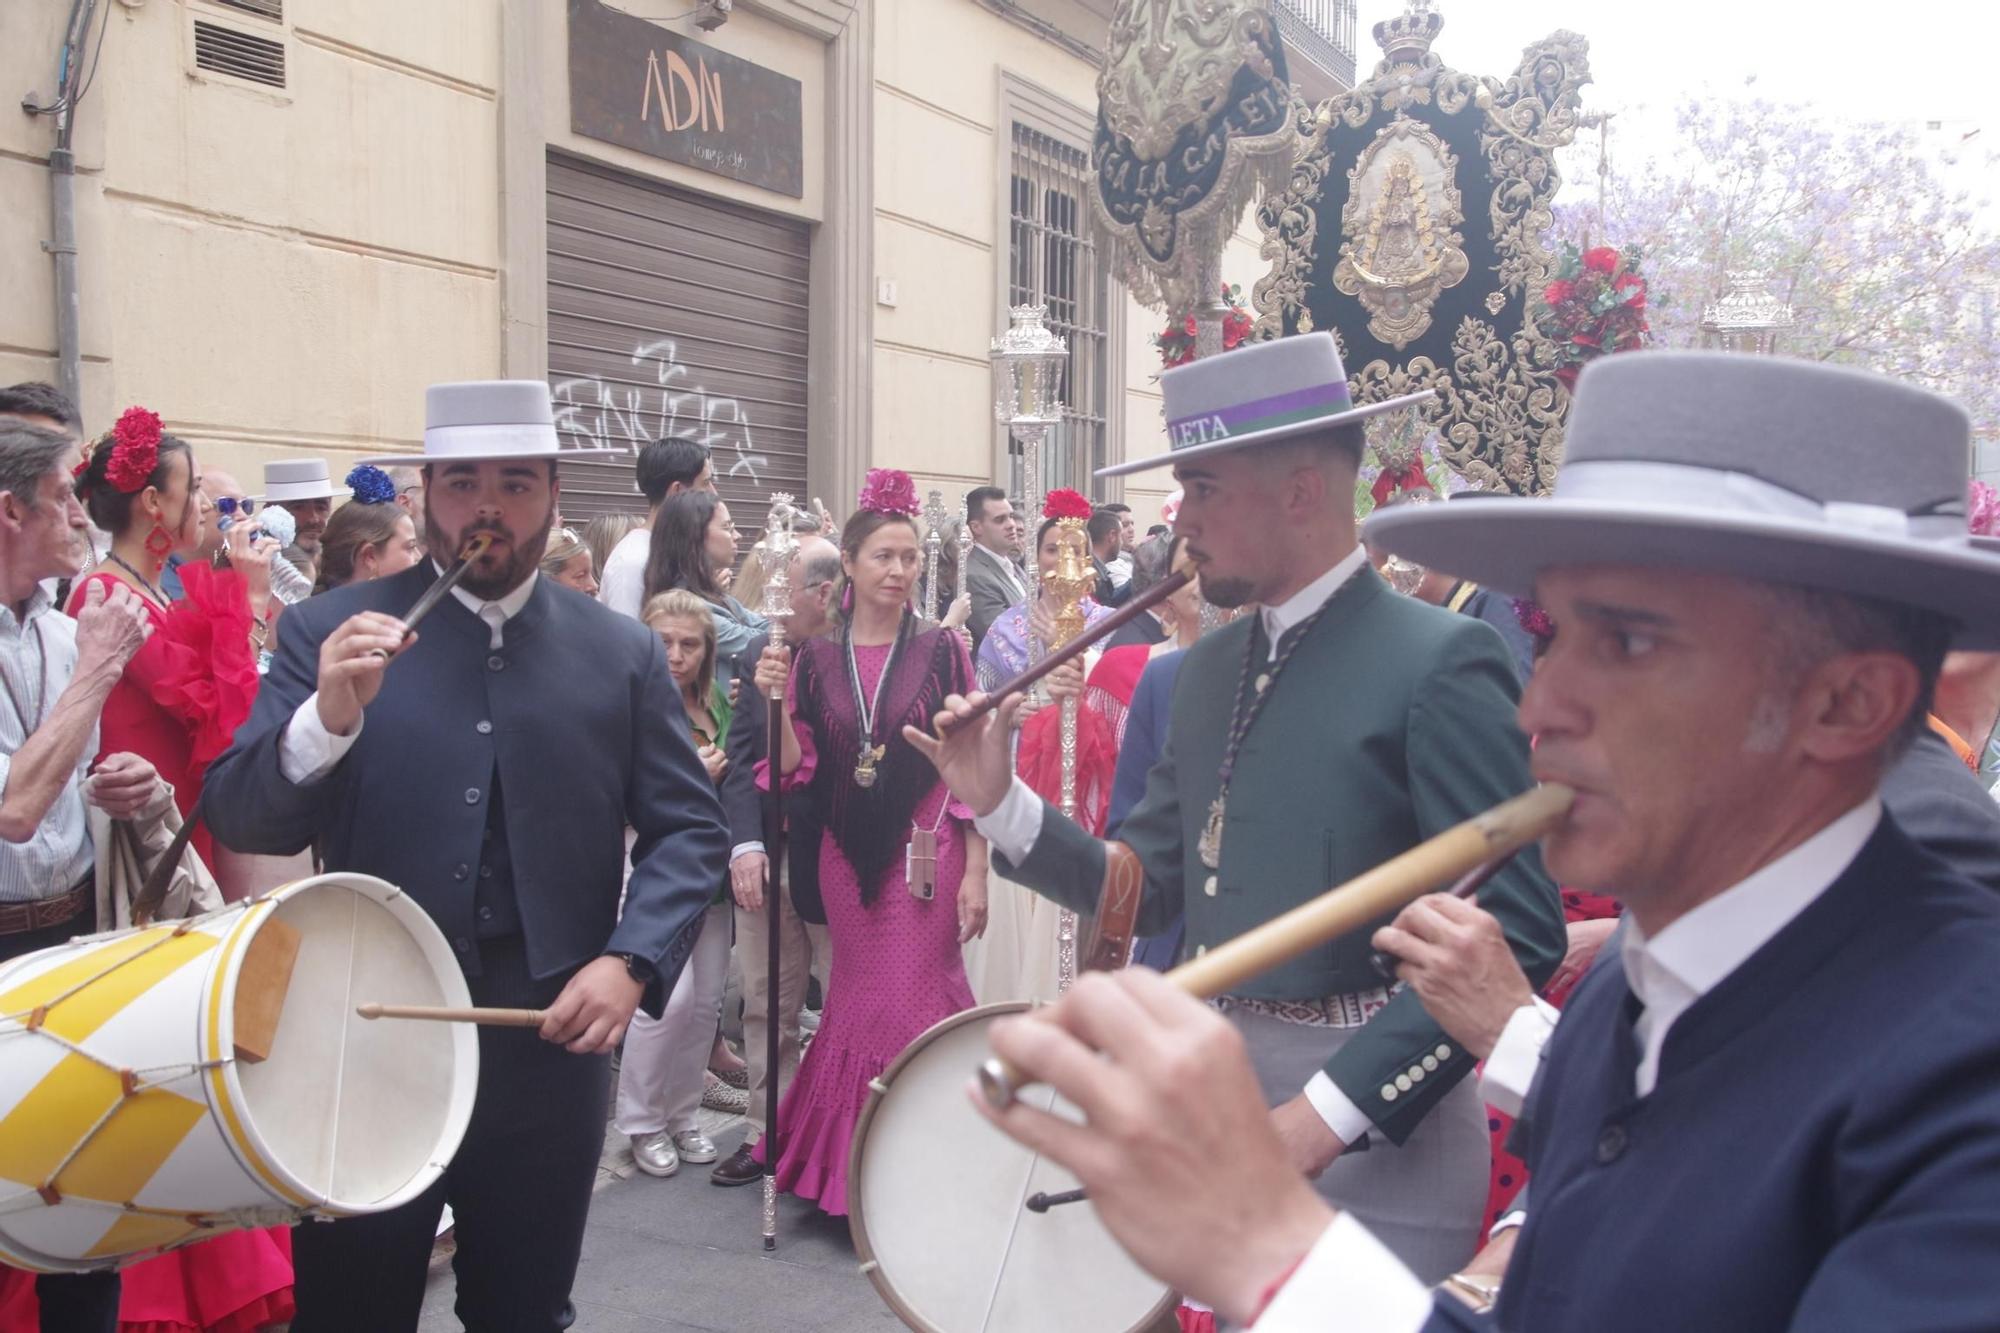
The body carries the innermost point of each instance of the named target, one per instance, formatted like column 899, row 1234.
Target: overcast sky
column 1849, row 59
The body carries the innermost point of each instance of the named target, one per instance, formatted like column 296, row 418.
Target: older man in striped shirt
column 54, row 676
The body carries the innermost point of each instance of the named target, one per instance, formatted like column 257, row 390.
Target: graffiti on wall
column 625, row 416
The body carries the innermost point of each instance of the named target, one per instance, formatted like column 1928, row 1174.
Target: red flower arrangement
column 135, row 450
column 887, row 491
column 1176, row 344
column 1595, row 305
column 1064, row 503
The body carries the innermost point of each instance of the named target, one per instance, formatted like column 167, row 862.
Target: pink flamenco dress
column 897, row 967
column 178, row 705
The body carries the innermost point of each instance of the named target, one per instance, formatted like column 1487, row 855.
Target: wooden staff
column 1494, row 835
column 1076, row 647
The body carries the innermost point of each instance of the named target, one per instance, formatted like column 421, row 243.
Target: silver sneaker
column 695, row 1148
column 654, row 1154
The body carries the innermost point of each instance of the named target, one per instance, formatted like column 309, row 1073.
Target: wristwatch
column 1474, row 1289
column 637, row 968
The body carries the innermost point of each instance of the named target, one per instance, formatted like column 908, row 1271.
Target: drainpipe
column 62, row 205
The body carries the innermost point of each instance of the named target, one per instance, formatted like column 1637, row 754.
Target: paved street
column 663, row 1256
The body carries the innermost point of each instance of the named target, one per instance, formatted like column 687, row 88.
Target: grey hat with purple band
column 1759, row 467
column 487, row 421
column 1259, row 394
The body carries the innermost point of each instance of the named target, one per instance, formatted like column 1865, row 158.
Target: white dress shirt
column 622, row 585
column 308, row 751
column 1690, row 958
column 38, row 655
column 1013, row 826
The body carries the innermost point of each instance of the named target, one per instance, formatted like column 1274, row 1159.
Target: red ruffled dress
column 179, row 703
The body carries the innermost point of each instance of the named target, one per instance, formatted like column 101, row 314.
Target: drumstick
column 1076, row 647
column 1042, row 1201
column 1385, row 964
column 503, row 1018
column 475, row 546
column 1492, row 836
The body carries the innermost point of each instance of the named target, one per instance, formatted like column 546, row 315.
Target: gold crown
column 1409, row 35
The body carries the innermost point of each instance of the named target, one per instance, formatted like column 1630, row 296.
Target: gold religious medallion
column 1400, row 248
column 1209, row 847
column 864, row 768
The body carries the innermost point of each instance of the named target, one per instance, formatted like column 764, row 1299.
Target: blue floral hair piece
column 371, row 485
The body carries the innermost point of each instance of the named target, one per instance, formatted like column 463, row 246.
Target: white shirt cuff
column 1335, row 1107
column 307, row 751
column 743, row 849
column 1507, row 1222
column 1013, row 825
column 1348, row 1279
column 1510, row 1069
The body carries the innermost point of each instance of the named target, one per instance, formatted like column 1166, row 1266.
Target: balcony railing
column 1319, row 44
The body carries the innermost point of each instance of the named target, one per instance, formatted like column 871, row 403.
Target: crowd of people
column 1777, row 818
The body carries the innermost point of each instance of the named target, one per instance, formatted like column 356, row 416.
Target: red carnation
column 1632, row 287
column 1065, row 503
column 135, row 450
column 1604, row 259
column 888, row 491
column 1558, row 291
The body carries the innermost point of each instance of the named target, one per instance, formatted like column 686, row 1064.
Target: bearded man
column 505, row 749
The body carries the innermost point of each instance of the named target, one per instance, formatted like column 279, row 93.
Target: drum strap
column 1109, row 945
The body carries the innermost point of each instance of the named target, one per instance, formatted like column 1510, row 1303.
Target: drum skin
column 936, row 1198
column 127, row 1126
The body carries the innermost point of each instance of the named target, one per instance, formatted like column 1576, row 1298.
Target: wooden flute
column 1459, row 850
column 475, row 546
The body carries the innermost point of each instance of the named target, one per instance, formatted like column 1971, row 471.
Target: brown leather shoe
column 739, row 1168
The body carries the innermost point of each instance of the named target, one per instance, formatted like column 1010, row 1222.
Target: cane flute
column 475, row 546
column 1492, row 836
column 779, row 543
column 1076, row 647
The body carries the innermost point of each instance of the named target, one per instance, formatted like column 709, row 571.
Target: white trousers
column 661, row 1074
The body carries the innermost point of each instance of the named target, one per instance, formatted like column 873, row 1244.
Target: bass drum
column 937, row 1200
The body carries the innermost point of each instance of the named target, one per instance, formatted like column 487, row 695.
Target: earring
column 159, row 545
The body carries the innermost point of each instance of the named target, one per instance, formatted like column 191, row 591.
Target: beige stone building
column 791, row 235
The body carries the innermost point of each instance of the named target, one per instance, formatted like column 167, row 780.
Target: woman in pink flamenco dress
column 897, row 966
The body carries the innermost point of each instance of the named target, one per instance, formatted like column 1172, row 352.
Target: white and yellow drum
column 132, row 1119
column 938, row 1205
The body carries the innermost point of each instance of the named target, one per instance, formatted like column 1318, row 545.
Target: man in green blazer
column 1335, row 728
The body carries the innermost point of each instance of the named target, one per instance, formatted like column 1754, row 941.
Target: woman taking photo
column 896, row 963
column 660, row 1074
column 369, row 537
column 177, row 705
column 694, row 547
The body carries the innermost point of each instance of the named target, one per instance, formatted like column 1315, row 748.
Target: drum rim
column 857, row 1225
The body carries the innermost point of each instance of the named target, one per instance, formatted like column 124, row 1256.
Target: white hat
column 482, row 421
column 1258, row 394
column 1761, row 467
column 298, row 479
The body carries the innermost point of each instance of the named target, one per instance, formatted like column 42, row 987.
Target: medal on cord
column 872, row 752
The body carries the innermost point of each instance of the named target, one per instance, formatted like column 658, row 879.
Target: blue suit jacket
column 577, row 714
column 1821, row 1152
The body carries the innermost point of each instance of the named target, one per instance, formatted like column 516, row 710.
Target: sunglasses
column 232, row 506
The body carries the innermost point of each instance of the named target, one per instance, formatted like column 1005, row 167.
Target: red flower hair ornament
column 135, row 450
column 887, row 491
column 1065, row 503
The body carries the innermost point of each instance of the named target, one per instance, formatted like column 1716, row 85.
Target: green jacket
column 1393, row 721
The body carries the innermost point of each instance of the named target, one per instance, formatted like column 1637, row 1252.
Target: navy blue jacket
column 1821, row 1152
column 578, row 716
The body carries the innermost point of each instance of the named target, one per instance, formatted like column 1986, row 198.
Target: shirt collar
column 1294, row 609
column 39, row 603
column 510, row 605
column 1700, row 949
column 1012, row 570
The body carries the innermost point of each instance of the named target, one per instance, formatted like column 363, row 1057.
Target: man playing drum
column 1777, row 1105
column 1338, row 727
column 504, row 752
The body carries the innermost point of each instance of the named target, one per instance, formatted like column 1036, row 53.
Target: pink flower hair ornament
column 888, row 491
column 1982, row 510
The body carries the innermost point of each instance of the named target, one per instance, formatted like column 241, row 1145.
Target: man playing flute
column 1339, row 726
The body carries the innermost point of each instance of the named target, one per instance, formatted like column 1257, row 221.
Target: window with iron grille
column 1053, row 260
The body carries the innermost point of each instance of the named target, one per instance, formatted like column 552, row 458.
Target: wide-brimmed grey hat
column 298, row 479
column 1761, row 467
column 1258, row 394
column 483, row 421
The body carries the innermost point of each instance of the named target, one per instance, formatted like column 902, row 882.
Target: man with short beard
column 303, row 488
column 488, row 766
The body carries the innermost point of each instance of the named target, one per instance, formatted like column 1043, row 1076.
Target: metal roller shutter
column 674, row 315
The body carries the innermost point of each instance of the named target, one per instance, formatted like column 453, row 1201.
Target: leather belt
column 19, row 918
column 1335, row 1011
